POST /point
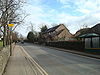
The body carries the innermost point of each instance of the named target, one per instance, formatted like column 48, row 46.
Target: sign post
column 10, row 26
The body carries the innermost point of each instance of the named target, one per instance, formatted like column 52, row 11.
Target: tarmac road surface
column 56, row 62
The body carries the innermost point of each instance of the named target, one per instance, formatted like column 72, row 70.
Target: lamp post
column 10, row 26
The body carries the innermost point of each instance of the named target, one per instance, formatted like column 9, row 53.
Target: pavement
column 19, row 64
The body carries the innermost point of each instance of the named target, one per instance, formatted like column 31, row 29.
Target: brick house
column 57, row 33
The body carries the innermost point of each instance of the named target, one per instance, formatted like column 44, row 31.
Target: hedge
column 71, row 45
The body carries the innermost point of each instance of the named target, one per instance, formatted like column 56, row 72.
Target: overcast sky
column 73, row 13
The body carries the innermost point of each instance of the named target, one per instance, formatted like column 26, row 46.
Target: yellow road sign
column 10, row 25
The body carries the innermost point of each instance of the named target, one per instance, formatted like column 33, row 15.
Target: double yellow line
column 39, row 68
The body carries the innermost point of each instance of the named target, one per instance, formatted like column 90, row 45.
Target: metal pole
column 11, row 42
column 10, row 25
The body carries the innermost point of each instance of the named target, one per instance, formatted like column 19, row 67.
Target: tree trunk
column 4, row 36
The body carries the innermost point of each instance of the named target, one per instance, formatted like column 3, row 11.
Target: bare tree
column 15, row 36
column 9, row 13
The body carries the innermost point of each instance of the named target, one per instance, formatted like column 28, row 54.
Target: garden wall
column 4, row 56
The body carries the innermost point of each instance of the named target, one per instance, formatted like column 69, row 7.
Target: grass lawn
column 1, row 43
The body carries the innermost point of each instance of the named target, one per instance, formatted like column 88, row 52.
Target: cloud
column 88, row 8
column 38, row 15
column 41, row 13
column 36, row 2
column 64, row 1
column 82, row 6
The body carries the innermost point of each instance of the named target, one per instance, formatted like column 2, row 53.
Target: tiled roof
column 95, row 29
column 81, row 32
column 60, row 31
column 51, row 29
column 57, row 33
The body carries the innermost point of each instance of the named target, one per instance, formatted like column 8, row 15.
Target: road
column 56, row 62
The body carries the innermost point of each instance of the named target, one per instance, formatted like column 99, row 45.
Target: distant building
column 92, row 38
column 81, row 32
column 95, row 29
column 57, row 33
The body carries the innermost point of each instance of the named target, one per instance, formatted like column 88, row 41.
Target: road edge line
column 42, row 71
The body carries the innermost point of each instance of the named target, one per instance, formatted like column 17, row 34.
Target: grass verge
column 1, row 44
